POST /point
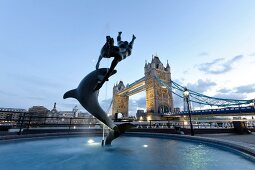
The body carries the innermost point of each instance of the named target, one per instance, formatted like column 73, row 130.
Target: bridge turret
column 167, row 67
column 118, row 87
column 145, row 65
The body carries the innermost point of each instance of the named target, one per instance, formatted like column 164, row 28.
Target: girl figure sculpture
column 120, row 52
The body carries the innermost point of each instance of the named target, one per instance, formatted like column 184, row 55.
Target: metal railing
column 26, row 122
column 206, row 124
column 35, row 122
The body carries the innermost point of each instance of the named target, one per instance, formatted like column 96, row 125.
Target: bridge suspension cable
column 108, row 110
column 201, row 98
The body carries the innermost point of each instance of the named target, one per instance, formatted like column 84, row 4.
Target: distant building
column 68, row 114
column 53, row 112
column 140, row 113
column 37, row 114
column 64, row 117
column 177, row 110
column 53, row 115
column 11, row 114
column 38, row 111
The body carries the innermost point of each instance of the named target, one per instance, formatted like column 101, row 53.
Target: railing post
column 29, row 121
column 150, row 123
column 70, row 123
column 19, row 121
column 21, row 125
column 45, row 120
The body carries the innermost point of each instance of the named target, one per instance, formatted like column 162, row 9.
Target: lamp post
column 186, row 97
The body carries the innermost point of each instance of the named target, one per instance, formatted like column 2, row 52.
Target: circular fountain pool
column 125, row 153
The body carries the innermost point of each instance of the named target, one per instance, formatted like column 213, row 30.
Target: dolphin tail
column 117, row 131
column 71, row 93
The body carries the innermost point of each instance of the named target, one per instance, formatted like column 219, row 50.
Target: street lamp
column 186, row 97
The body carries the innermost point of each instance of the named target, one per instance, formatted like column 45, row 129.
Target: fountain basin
column 127, row 152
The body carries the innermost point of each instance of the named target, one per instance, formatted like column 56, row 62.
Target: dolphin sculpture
column 87, row 94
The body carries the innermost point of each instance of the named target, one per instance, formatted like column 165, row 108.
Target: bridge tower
column 158, row 99
column 120, row 101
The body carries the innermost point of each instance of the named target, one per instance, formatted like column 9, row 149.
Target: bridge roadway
column 238, row 111
column 134, row 88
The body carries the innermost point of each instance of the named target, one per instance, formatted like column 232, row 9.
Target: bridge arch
column 118, row 115
column 162, row 109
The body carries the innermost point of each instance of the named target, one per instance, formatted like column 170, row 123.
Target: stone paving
column 245, row 142
column 246, row 138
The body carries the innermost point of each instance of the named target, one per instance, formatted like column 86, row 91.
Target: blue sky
column 47, row 47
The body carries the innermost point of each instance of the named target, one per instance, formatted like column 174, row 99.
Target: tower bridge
column 158, row 99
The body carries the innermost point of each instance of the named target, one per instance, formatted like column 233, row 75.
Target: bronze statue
column 86, row 94
column 120, row 52
column 87, row 91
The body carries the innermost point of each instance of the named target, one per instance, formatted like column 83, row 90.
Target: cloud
column 35, row 80
column 225, row 90
column 201, row 86
column 5, row 93
column 246, row 89
column 178, row 102
column 203, row 54
column 237, row 96
column 218, row 66
column 236, row 58
column 186, row 72
column 36, row 98
column 141, row 102
column 135, row 104
column 253, row 54
column 238, row 93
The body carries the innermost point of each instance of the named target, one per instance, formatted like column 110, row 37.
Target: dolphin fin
column 117, row 131
column 103, row 78
column 70, row 94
